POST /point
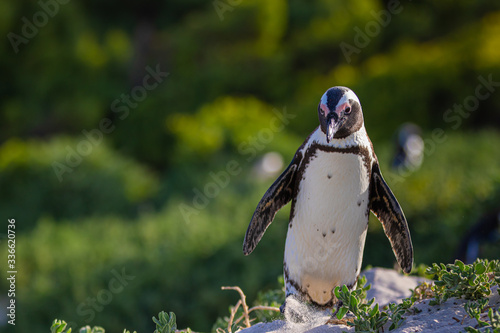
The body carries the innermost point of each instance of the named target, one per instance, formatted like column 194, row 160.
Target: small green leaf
column 353, row 302
column 480, row 268
column 440, row 283
column 341, row 313
column 344, row 289
column 336, row 291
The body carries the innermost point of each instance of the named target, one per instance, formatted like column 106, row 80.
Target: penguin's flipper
column 385, row 206
column 278, row 195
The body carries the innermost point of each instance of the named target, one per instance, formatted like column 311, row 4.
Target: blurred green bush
column 37, row 180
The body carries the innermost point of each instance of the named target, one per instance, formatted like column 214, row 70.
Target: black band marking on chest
column 364, row 152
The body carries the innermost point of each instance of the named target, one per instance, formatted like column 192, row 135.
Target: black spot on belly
column 329, row 176
column 324, row 291
column 333, row 230
column 324, row 234
column 359, row 203
column 290, row 225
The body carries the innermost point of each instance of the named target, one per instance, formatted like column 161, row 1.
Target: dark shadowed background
column 133, row 136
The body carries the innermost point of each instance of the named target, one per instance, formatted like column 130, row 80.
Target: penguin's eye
column 347, row 110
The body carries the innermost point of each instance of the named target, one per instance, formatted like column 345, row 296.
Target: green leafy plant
column 422, row 291
column 368, row 317
column 474, row 310
column 459, row 280
column 88, row 329
column 166, row 323
column 395, row 312
column 272, row 298
column 59, row 326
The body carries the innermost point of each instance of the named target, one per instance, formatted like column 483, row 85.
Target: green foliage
column 272, row 298
column 88, row 329
column 165, row 323
column 59, row 326
column 472, row 281
column 104, row 176
column 368, row 317
column 474, row 310
column 420, row 271
column 395, row 312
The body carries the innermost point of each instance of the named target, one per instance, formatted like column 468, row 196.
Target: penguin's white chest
column 326, row 235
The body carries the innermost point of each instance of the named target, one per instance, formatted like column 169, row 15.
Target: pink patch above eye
column 324, row 108
column 341, row 107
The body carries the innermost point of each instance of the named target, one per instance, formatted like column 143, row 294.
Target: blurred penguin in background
column 409, row 153
column 485, row 230
column 268, row 166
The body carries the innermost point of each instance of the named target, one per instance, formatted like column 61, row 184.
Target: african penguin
column 409, row 148
column 333, row 182
column 486, row 230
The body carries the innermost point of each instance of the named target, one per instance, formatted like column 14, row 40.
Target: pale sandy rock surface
column 387, row 286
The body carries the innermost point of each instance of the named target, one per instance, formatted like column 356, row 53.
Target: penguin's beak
column 333, row 123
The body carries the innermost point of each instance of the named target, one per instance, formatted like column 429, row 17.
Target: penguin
column 409, row 148
column 333, row 182
column 485, row 230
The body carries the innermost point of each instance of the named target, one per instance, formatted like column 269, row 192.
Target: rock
column 387, row 286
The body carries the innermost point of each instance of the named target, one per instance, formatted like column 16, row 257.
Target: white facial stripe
column 346, row 97
column 324, row 99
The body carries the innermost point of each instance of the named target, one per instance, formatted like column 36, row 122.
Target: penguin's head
column 339, row 113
